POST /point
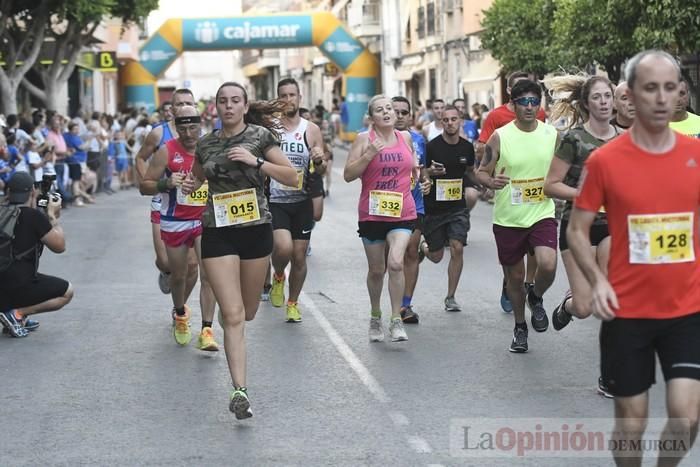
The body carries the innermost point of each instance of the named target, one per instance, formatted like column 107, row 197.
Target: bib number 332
column 385, row 203
column 661, row 238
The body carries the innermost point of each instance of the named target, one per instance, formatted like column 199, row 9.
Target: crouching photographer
column 24, row 231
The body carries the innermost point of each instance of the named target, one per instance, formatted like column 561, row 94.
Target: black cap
column 20, row 187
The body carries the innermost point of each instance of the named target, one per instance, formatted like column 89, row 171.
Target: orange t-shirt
column 499, row 117
column 653, row 200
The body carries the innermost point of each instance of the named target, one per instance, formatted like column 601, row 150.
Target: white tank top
column 293, row 144
column 433, row 131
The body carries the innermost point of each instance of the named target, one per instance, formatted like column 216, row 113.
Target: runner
column 433, row 129
column 181, row 225
column 160, row 135
column 683, row 121
column 469, row 131
column 402, row 109
column 649, row 300
column 291, row 206
column 450, row 162
column 516, row 161
column 495, row 119
column 589, row 108
column 624, row 117
column 237, row 235
column 384, row 160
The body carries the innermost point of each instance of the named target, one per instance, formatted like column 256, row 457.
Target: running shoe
column 603, row 389
column 12, row 324
column 277, row 292
column 506, row 306
column 293, row 313
column 519, row 344
column 421, row 251
column 528, row 287
column 451, row 304
column 265, row 295
column 240, row 405
column 164, row 282
column 561, row 317
column 30, row 324
column 308, row 250
column 181, row 327
column 206, row 341
column 408, row 315
column 376, row 330
column 397, row 331
column 539, row 319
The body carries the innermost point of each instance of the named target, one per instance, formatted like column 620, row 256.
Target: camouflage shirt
column 225, row 176
column 575, row 147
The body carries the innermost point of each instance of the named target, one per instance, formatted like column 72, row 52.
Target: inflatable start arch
column 320, row 29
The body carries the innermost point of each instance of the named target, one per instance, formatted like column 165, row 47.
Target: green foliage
column 518, row 33
column 87, row 11
column 548, row 35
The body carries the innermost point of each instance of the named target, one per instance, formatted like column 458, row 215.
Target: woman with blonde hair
column 586, row 103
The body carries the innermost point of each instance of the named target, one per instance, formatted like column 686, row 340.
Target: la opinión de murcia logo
column 357, row 97
column 206, row 32
column 341, row 47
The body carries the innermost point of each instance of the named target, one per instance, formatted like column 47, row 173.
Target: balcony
column 364, row 18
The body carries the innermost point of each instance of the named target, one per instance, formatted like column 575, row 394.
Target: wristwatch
column 261, row 160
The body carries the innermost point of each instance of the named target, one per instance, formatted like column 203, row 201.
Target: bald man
column 623, row 106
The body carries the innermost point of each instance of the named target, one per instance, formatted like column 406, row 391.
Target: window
column 421, row 22
column 432, row 83
column 431, row 19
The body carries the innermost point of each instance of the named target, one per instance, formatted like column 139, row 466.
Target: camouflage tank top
column 234, row 187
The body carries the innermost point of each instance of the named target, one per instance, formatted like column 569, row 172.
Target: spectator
column 76, row 161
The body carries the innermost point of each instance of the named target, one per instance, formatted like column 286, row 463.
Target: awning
column 253, row 70
column 481, row 75
column 404, row 73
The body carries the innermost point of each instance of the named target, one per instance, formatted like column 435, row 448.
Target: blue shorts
column 122, row 164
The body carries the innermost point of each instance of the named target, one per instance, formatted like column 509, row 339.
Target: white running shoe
column 397, row 331
column 376, row 330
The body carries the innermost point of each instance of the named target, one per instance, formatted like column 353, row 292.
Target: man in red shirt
column 498, row 117
column 648, row 179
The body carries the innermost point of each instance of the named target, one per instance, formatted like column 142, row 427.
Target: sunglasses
column 525, row 101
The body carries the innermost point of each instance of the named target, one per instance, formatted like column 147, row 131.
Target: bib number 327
column 527, row 191
column 236, row 207
column 661, row 238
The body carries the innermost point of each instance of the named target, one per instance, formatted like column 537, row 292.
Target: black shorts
column 315, row 186
column 420, row 223
column 298, row 218
column 245, row 242
column 628, row 349
column 376, row 231
column 440, row 228
column 38, row 290
column 75, row 172
column 599, row 233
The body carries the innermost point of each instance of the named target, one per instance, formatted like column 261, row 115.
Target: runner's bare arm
column 479, row 151
column 554, row 185
column 149, row 182
column 147, row 149
column 485, row 174
column 194, row 179
column 316, row 146
column 361, row 154
column 277, row 166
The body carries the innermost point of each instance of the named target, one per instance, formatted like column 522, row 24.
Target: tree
column 518, row 34
column 22, row 30
column 72, row 27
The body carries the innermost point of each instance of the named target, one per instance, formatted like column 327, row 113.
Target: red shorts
column 155, row 209
column 513, row 243
column 180, row 233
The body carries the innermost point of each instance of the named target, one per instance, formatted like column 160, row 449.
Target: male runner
column 181, row 224
column 450, row 162
column 433, row 129
column 650, row 300
column 624, row 108
column 683, row 121
column 291, row 206
column 495, row 119
column 402, row 108
column 516, row 161
column 158, row 136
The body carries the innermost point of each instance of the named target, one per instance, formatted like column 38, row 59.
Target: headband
column 186, row 120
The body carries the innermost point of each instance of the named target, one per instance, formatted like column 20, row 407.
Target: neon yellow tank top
column 526, row 157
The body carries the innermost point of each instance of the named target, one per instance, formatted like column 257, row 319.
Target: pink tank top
column 386, row 184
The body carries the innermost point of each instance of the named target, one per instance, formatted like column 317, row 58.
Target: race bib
column 448, row 189
column 527, row 191
column 236, row 207
column 196, row 198
column 661, row 238
column 385, row 203
column 300, row 182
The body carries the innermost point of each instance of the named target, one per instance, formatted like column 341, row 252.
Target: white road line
column 345, row 351
column 417, row 443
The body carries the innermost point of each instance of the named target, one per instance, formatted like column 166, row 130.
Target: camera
column 47, row 191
